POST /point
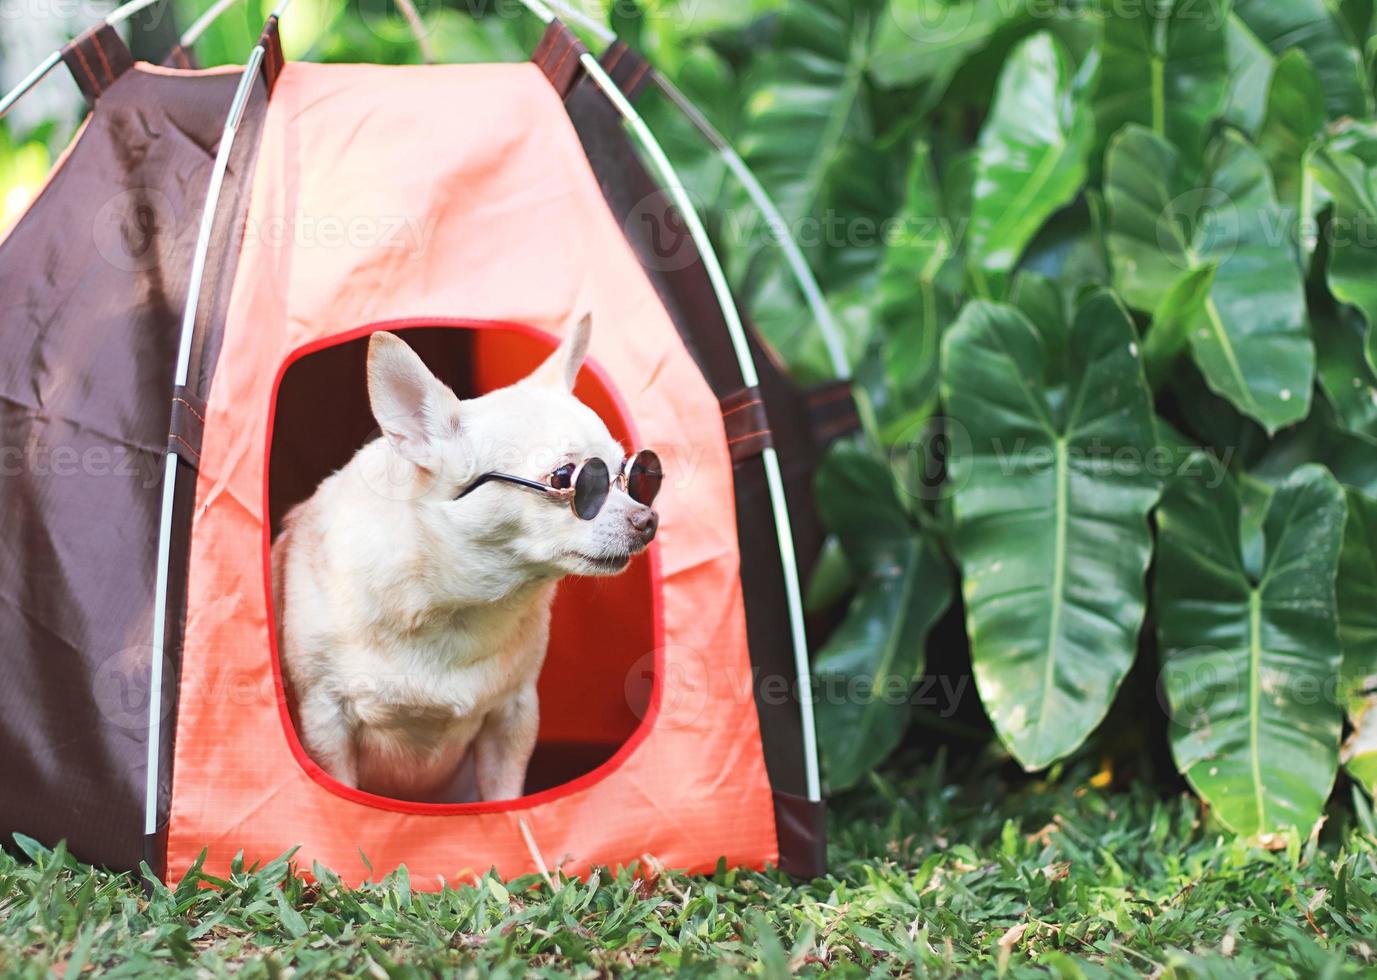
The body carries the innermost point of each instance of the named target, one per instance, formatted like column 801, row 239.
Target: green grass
column 927, row 879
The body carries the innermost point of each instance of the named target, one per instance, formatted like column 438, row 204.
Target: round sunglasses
column 587, row 485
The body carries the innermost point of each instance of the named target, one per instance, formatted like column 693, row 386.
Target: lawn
column 998, row 874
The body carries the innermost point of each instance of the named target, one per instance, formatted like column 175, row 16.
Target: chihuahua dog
column 413, row 589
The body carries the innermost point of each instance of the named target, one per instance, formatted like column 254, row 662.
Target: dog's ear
column 413, row 409
column 561, row 369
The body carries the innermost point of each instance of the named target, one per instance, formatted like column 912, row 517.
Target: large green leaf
column 856, row 204
column 859, row 502
column 1357, row 16
column 1070, row 248
column 1321, row 439
column 1357, row 595
column 1315, row 27
column 1346, row 164
column 807, row 132
column 703, row 17
column 1295, row 117
column 1165, row 67
column 782, row 317
column 844, row 242
column 1182, row 306
column 1252, row 340
column 832, row 579
column 915, row 307
column 807, row 100
column 713, row 86
column 1250, row 648
column 1051, row 503
column 1045, row 306
column 1031, row 159
column 1250, row 70
column 1212, row 422
column 866, row 670
column 1346, row 378
column 927, row 40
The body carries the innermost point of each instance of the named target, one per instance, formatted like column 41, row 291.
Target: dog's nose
column 645, row 522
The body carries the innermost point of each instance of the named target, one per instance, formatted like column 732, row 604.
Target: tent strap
column 188, row 425
column 628, row 69
column 185, row 346
column 98, row 71
column 97, row 58
column 273, row 62
column 746, row 424
column 559, row 55
column 833, row 412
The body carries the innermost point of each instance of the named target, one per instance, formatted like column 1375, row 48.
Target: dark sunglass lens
column 643, row 482
column 590, row 489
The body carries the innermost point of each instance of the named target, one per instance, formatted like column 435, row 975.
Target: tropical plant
column 1114, row 344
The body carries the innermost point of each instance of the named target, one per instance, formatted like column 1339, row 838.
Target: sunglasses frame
column 621, row 481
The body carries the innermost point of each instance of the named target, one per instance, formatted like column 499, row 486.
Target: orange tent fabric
column 365, row 212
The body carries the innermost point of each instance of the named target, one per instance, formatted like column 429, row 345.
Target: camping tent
column 188, row 302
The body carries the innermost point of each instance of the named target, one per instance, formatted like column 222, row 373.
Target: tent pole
column 116, row 17
column 418, row 30
column 30, row 80
column 575, row 16
column 774, row 478
column 198, row 272
column 779, row 227
column 191, row 36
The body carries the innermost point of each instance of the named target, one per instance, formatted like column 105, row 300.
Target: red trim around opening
column 450, row 809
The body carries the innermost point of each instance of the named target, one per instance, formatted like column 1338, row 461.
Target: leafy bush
column 1114, row 346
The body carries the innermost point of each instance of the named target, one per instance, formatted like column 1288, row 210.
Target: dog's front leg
column 329, row 738
column 502, row 749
